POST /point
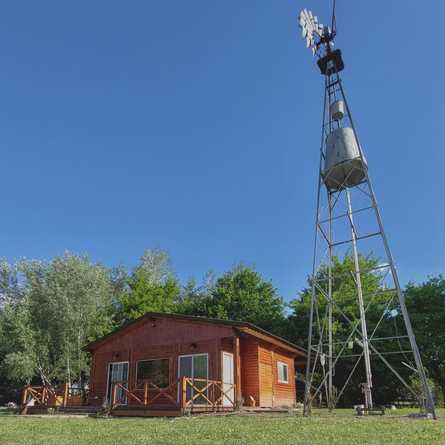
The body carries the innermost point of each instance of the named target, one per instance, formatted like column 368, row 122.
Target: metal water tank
column 343, row 166
column 337, row 110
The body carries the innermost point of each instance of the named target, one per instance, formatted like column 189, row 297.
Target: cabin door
column 117, row 372
column 195, row 366
column 228, row 379
column 266, row 385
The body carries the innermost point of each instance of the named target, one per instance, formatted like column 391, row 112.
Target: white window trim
column 108, row 374
column 278, row 372
column 192, row 355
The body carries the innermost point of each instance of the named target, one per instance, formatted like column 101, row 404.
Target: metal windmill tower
column 346, row 341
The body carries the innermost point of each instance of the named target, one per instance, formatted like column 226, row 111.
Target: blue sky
column 194, row 127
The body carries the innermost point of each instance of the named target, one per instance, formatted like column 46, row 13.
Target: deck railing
column 48, row 396
column 184, row 393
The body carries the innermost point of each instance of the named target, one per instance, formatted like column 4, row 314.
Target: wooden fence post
column 113, row 397
column 183, row 394
column 44, row 394
column 24, row 405
column 145, row 393
column 65, row 395
column 24, row 395
column 237, row 402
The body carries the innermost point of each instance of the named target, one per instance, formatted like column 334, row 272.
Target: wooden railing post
column 145, row 393
column 65, row 394
column 183, row 394
column 24, row 405
column 113, row 396
column 237, row 384
column 25, row 395
column 44, row 394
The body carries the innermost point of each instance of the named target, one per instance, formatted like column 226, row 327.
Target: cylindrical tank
column 337, row 110
column 343, row 166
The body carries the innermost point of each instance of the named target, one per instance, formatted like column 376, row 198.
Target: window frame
column 107, row 392
column 138, row 384
column 193, row 367
column 283, row 364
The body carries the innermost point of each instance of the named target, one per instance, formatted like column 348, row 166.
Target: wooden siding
column 159, row 338
column 266, row 377
column 249, row 371
column 227, row 344
column 273, row 393
column 284, row 393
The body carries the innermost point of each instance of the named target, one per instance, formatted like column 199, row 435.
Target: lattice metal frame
column 324, row 351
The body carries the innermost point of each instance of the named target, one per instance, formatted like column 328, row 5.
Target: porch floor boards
column 140, row 411
column 68, row 410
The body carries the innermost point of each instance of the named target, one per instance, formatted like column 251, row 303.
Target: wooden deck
column 183, row 396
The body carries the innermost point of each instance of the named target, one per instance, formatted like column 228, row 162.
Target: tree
column 386, row 385
column 242, row 294
column 426, row 305
column 196, row 300
column 152, row 287
column 52, row 309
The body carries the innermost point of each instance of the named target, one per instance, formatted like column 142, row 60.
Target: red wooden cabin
column 166, row 363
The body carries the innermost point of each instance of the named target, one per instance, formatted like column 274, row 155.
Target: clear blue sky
column 194, row 127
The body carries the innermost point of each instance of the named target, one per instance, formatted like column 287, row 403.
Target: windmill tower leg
column 428, row 400
column 330, row 312
column 367, row 389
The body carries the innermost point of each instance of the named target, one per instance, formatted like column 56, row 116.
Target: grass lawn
column 322, row 428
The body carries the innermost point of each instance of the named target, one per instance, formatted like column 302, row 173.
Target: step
column 138, row 412
column 79, row 409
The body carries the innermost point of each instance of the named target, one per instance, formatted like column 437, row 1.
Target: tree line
column 50, row 309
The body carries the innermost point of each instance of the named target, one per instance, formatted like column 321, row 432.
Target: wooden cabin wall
column 284, row 393
column 158, row 338
column 272, row 392
column 249, row 371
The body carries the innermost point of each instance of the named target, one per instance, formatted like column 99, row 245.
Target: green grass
column 321, row 428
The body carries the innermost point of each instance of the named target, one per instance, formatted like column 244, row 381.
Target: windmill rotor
column 314, row 32
column 311, row 30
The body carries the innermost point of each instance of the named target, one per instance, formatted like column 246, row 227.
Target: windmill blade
column 310, row 27
column 333, row 22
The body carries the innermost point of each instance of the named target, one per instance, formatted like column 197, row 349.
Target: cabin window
column 283, row 372
column 195, row 366
column 154, row 371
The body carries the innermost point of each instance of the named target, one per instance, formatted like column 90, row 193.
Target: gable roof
column 242, row 326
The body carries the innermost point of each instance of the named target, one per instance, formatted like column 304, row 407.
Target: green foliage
column 49, row 310
column 196, row 300
column 344, row 293
column 152, row 287
column 436, row 390
column 386, row 385
column 239, row 294
column 426, row 305
column 48, row 315
column 242, row 294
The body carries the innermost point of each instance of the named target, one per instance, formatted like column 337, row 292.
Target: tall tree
column 243, row 294
column 386, row 385
column 57, row 307
column 197, row 299
column 152, row 286
column 426, row 305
